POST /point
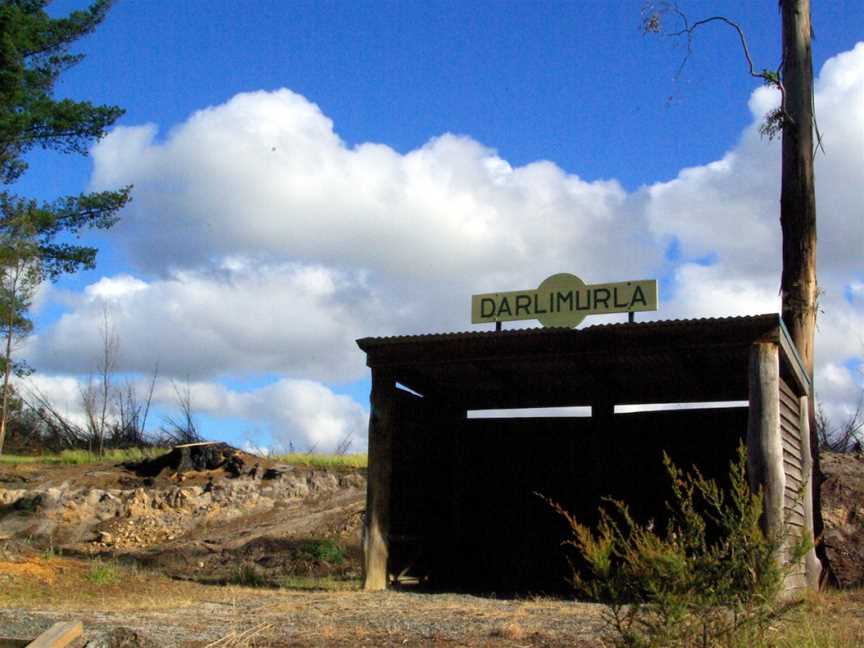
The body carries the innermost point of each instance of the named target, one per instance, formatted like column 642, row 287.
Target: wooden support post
column 812, row 565
column 764, row 443
column 59, row 635
column 381, row 427
column 450, row 418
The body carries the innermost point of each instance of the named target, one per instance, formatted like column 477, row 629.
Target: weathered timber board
column 59, row 635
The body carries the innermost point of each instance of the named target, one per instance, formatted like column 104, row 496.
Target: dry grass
column 59, row 582
column 325, row 583
column 344, row 461
column 255, row 617
column 832, row 619
column 83, row 457
column 40, row 581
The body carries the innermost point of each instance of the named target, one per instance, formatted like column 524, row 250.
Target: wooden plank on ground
column 59, row 635
column 13, row 643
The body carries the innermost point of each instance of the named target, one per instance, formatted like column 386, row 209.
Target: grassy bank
column 323, row 460
column 830, row 619
column 82, row 457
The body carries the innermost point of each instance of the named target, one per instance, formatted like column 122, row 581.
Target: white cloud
column 711, row 291
column 264, row 244
column 264, row 175
column 238, row 319
column 729, row 211
column 62, row 392
column 301, row 412
column 109, row 289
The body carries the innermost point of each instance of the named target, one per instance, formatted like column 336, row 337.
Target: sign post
column 565, row 300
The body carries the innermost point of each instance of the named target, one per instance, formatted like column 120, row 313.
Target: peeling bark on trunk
column 798, row 287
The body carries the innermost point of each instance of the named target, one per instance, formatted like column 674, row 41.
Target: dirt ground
column 162, row 560
column 204, row 558
column 333, row 619
column 210, row 525
column 149, row 609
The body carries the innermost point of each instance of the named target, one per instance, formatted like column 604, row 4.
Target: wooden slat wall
column 790, row 428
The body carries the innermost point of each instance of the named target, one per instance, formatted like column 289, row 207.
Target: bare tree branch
column 652, row 23
column 182, row 429
column 848, row 436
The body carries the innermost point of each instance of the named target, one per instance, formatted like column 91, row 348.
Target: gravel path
column 256, row 618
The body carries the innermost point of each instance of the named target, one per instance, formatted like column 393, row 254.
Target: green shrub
column 322, row 550
column 103, row 573
column 710, row 579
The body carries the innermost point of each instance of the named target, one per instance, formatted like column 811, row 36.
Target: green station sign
column 565, row 300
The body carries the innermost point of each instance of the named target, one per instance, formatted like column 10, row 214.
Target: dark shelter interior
column 462, row 499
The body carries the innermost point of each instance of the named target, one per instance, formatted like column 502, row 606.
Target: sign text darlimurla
column 564, row 300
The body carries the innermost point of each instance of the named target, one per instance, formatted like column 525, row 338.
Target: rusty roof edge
column 368, row 343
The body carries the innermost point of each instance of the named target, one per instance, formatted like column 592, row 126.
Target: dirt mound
column 205, row 456
column 843, row 514
column 202, row 512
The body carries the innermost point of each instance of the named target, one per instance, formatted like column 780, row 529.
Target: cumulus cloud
column 727, row 211
column 265, row 175
column 239, row 318
column 302, row 412
column 261, row 243
column 712, row 291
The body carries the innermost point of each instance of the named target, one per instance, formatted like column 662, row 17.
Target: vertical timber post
column 812, row 565
column 764, row 443
column 381, row 428
column 451, row 416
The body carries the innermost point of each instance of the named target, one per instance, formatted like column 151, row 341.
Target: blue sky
column 572, row 82
column 501, row 111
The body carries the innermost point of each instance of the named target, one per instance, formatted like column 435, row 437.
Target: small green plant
column 248, row 576
column 51, row 550
column 711, row 579
column 102, row 573
column 322, row 550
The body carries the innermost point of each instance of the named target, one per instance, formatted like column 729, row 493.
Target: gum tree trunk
column 798, row 287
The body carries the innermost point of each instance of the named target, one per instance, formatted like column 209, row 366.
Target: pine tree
column 35, row 236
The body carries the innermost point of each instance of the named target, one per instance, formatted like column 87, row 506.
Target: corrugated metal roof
column 659, row 326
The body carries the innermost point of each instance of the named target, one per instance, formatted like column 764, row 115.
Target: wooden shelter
column 452, row 500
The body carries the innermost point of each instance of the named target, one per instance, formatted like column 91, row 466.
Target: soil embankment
column 209, row 513
column 843, row 515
